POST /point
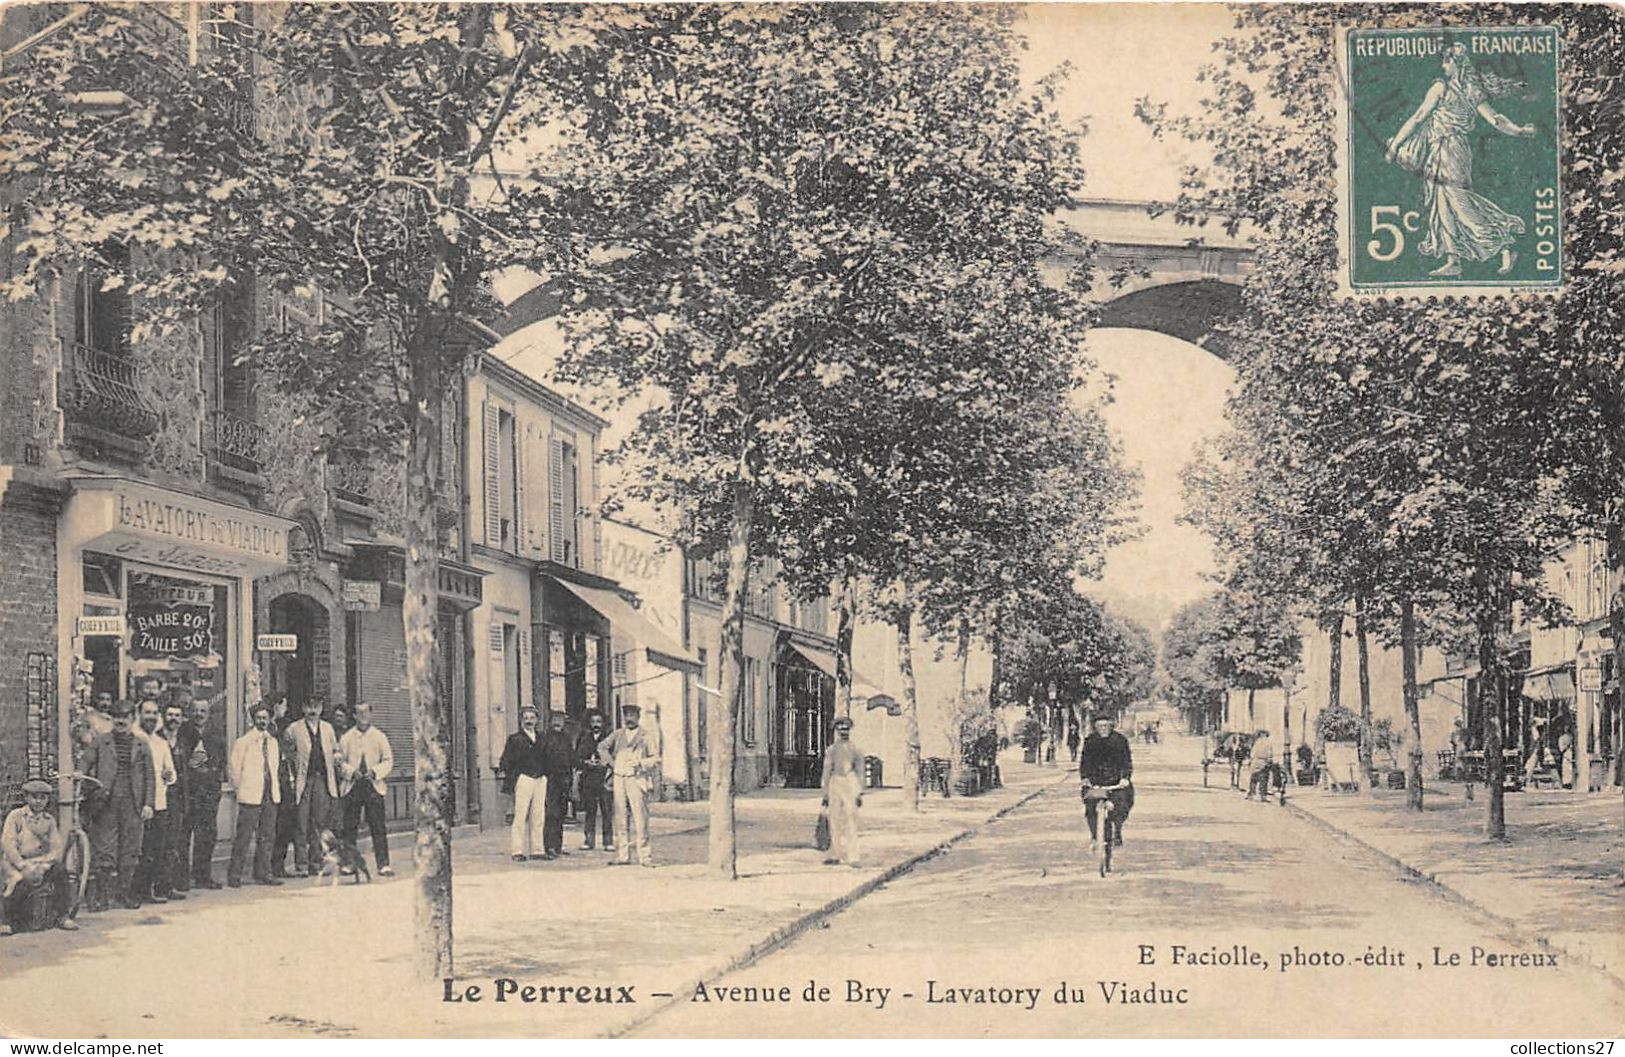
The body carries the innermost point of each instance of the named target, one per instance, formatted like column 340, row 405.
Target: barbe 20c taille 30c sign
column 1450, row 161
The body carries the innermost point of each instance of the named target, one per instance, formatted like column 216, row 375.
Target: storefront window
column 575, row 671
column 175, row 631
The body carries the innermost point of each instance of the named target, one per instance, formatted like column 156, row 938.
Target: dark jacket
column 101, row 763
column 521, row 756
column 558, row 756
column 587, row 754
column 212, row 770
column 1105, row 760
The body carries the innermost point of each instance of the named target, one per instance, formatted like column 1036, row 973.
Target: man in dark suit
column 1106, row 763
column 595, row 795
column 200, row 752
column 558, row 763
column 122, row 804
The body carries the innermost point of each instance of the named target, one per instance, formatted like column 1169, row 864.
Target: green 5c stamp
column 1450, row 161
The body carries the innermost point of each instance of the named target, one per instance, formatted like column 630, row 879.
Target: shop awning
column 1555, row 684
column 824, row 661
column 661, row 648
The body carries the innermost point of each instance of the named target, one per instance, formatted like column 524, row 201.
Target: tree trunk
column 956, row 750
column 962, row 654
column 1413, row 711
column 722, row 854
column 1363, row 660
column 845, row 620
column 1334, row 637
column 993, row 702
column 1491, row 695
column 431, row 853
column 1252, row 721
column 904, row 622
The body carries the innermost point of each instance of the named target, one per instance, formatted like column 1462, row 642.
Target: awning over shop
column 661, row 648
column 824, row 661
column 141, row 521
column 1550, row 685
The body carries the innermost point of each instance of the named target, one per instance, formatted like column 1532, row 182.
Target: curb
column 785, row 934
column 1456, row 896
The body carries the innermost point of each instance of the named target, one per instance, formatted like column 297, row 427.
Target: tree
column 368, row 192
column 807, row 226
column 1433, row 432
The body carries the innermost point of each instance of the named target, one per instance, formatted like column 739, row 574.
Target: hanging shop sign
column 362, row 596
column 277, row 643
column 113, row 625
column 1591, row 680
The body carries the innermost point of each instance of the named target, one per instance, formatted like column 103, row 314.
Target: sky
column 1168, row 394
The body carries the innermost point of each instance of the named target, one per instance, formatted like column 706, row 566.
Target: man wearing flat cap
column 633, row 759
column 123, row 801
column 843, row 794
column 35, row 885
column 558, row 760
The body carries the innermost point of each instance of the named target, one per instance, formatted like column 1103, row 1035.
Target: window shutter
column 590, row 501
column 493, row 496
column 555, row 499
column 521, row 523
column 535, row 531
column 526, row 675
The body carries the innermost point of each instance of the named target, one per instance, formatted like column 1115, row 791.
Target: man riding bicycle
column 1106, row 766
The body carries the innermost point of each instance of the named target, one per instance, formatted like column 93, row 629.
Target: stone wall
column 28, row 618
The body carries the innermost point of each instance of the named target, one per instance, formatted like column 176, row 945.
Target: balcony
column 237, row 451
column 104, row 409
column 349, row 478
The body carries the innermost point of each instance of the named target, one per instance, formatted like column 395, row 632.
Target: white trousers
column 529, row 814
column 844, row 791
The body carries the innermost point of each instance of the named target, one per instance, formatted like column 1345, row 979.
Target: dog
column 340, row 857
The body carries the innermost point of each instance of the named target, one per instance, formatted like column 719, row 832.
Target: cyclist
column 1106, row 763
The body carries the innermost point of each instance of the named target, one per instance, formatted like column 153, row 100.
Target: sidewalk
column 318, row 961
column 1556, row 879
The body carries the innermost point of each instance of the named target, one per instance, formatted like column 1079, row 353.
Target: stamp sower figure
column 558, row 761
column 151, row 879
column 365, row 760
column 595, row 795
column 255, row 760
column 201, row 751
column 32, row 880
column 313, row 748
column 1434, row 142
column 122, row 803
column 632, row 760
column 525, row 779
column 1106, row 760
column 843, row 794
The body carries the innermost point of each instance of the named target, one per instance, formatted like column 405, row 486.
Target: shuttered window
column 493, row 494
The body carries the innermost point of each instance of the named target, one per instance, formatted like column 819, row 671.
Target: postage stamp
column 1450, row 161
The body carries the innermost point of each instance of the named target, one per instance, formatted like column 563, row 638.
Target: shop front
column 596, row 652
column 1597, row 687
column 1548, row 725
column 155, row 589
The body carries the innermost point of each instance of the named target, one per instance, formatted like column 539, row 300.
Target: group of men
column 615, row 773
column 298, row 777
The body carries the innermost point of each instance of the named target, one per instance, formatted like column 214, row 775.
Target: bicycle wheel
column 76, row 862
column 1107, row 833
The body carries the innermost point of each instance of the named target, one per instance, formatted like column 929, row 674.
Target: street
column 1020, row 906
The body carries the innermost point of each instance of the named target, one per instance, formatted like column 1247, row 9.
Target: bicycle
column 1100, row 794
column 76, row 846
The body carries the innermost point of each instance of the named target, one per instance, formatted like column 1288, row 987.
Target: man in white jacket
column 151, row 877
column 365, row 760
column 255, row 759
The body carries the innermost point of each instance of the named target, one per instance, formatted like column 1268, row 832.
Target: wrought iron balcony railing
column 239, row 443
column 103, row 392
column 349, row 475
